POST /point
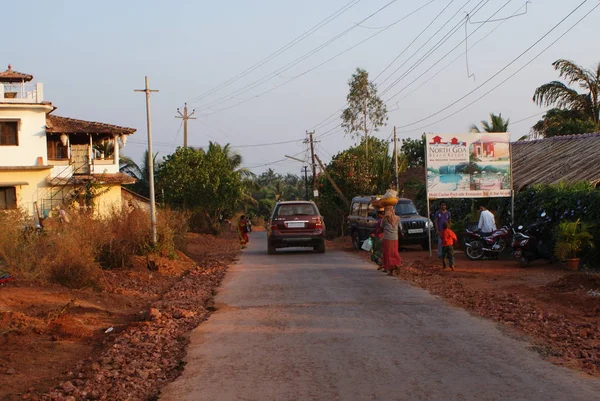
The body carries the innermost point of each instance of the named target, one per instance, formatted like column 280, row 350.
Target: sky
column 265, row 72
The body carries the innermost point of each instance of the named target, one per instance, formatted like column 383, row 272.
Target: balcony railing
column 21, row 93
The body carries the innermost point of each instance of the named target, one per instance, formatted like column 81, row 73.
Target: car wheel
column 271, row 249
column 355, row 240
column 320, row 248
column 475, row 250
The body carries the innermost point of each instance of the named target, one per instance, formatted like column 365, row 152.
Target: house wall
column 108, row 201
column 32, row 135
column 131, row 201
column 28, row 194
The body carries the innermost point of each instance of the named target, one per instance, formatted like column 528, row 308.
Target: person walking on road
column 448, row 239
column 242, row 231
column 442, row 216
column 391, row 257
column 487, row 222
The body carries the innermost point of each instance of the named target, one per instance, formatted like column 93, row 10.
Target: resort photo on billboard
column 468, row 165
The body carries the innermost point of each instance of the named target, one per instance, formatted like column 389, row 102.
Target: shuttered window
column 8, row 198
column 8, row 133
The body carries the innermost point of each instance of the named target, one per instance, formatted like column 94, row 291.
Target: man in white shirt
column 487, row 223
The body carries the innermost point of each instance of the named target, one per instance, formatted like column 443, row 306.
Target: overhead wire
column 288, row 66
column 457, row 57
column 279, row 51
column 506, row 66
column 336, row 113
column 516, row 72
column 320, row 64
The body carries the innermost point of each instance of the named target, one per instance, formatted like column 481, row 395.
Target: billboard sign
column 474, row 165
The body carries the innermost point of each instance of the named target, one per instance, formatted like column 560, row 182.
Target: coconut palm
column 560, row 95
column 140, row 172
column 496, row 124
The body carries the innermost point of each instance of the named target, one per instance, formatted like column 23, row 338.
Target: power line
column 318, row 65
column 453, row 61
column 418, row 36
column 279, row 51
column 513, row 74
column 503, row 68
column 289, row 65
column 335, row 113
column 273, row 162
column 443, row 40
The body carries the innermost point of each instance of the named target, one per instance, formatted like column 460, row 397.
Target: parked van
column 363, row 220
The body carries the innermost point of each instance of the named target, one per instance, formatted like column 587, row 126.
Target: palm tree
column 560, row 95
column 140, row 172
column 496, row 124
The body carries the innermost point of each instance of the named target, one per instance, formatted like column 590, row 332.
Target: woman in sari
column 391, row 256
column 242, row 231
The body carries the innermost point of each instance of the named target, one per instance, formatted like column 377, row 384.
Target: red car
column 296, row 224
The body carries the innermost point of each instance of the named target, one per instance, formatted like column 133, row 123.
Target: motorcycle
column 533, row 242
column 477, row 246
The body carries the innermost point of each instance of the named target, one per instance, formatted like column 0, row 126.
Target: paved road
column 304, row 326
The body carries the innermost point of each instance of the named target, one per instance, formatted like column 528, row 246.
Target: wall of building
column 32, row 135
column 27, row 195
column 108, row 201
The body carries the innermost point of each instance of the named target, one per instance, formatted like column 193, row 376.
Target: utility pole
column 396, row 156
column 185, row 116
column 312, row 155
column 147, row 90
column 305, row 169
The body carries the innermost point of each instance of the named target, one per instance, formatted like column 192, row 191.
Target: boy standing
column 441, row 216
column 448, row 239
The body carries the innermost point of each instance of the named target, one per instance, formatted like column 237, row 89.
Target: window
column 364, row 210
column 355, row 208
column 296, row 210
column 56, row 150
column 8, row 198
column 8, row 133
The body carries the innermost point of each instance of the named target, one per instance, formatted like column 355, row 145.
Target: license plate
column 296, row 224
column 415, row 230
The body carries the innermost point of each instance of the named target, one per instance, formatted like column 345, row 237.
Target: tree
column 364, row 109
column 496, row 124
column 204, row 181
column 582, row 106
column 140, row 172
column 413, row 151
column 558, row 122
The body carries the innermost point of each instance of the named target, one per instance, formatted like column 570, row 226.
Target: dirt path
column 303, row 326
column 88, row 344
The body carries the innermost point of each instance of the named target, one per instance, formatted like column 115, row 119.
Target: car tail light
column 318, row 223
column 274, row 227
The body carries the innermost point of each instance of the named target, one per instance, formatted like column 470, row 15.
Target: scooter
column 477, row 246
column 533, row 242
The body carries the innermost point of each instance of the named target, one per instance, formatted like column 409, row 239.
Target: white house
column 47, row 160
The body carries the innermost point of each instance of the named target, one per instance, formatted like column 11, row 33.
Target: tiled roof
column 566, row 159
column 59, row 125
column 11, row 75
column 116, row 178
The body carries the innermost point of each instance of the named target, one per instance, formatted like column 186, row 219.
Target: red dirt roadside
column 50, row 335
column 557, row 309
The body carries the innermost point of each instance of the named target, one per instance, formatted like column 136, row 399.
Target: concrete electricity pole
column 305, row 170
column 185, row 117
column 396, row 157
column 312, row 155
column 147, row 90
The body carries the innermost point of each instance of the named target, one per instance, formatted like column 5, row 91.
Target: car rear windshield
column 296, row 210
column 405, row 208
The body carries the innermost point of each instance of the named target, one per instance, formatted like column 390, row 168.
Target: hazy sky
column 92, row 55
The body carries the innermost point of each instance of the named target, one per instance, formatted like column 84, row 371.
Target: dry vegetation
column 73, row 254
